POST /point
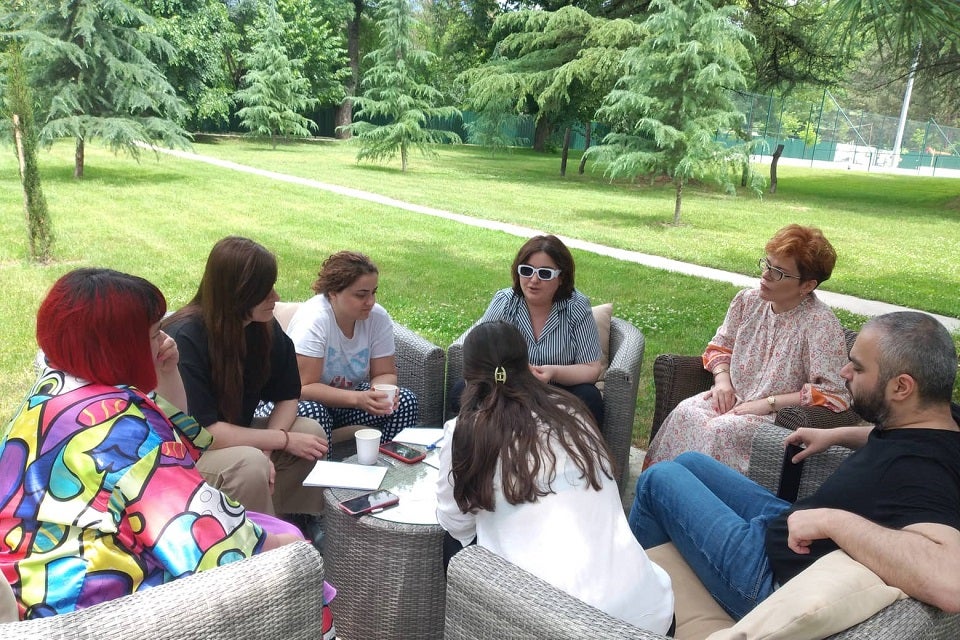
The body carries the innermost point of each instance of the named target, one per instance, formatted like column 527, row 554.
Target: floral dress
column 768, row 353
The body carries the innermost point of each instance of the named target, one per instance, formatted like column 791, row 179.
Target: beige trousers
column 243, row 473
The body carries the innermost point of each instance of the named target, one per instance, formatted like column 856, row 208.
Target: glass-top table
column 388, row 566
column 415, row 485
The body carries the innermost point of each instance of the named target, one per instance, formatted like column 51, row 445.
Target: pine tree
column 676, row 95
column 275, row 92
column 19, row 102
column 393, row 94
column 97, row 74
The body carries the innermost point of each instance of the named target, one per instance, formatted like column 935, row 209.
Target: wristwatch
column 772, row 401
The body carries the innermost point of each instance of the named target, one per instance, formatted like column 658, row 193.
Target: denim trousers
column 717, row 519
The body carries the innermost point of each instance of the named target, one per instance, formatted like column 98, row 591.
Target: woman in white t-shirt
column 525, row 472
column 344, row 343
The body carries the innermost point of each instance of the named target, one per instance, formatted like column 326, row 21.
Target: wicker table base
column 389, row 575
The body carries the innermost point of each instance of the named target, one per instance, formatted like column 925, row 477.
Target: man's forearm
column 923, row 560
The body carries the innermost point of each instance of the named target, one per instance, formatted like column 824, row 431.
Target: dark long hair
column 95, row 324
column 239, row 275
column 506, row 419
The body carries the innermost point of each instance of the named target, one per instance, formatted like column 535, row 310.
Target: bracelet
column 286, row 439
column 718, row 371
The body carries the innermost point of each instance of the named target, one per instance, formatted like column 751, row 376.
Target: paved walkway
column 838, row 300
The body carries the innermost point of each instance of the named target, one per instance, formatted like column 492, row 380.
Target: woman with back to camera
column 233, row 355
column 345, row 345
column 555, row 319
column 100, row 493
column 524, row 470
column 779, row 346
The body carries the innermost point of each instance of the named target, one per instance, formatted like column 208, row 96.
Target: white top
column 346, row 361
column 576, row 539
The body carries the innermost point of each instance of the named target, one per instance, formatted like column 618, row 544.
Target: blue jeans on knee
column 717, row 519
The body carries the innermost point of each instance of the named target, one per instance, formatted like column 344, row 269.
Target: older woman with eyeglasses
column 779, row 346
column 555, row 319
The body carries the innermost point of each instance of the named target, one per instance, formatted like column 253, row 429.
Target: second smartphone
column 402, row 452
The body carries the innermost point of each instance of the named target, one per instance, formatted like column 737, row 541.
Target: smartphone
column 402, row 452
column 369, row 502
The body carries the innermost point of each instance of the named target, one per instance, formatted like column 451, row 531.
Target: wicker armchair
column 677, row 377
column 619, row 388
column 420, row 365
column 488, row 597
column 273, row 595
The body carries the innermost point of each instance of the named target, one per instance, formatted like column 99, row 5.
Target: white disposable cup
column 390, row 390
column 368, row 445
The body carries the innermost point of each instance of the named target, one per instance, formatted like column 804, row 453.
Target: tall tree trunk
column 773, row 168
column 541, row 135
column 20, row 102
column 586, row 145
column 566, row 152
column 403, row 157
column 676, row 206
column 344, row 115
column 78, row 160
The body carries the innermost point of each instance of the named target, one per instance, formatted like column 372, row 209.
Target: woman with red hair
column 99, row 495
column 779, row 346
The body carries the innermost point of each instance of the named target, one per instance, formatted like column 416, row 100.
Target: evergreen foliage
column 557, row 66
column 203, row 37
column 396, row 107
column 19, row 106
column 96, row 74
column 275, row 93
column 675, row 97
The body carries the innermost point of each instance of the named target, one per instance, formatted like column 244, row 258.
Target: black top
column 898, row 478
column 282, row 384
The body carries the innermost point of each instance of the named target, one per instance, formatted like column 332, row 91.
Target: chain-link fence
column 810, row 130
column 828, row 132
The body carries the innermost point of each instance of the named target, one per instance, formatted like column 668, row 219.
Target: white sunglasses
column 544, row 273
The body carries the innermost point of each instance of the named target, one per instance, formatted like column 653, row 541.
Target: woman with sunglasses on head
column 524, row 471
column 555, row 319
column 779, row 346
column 345, row 345
column 234, row 355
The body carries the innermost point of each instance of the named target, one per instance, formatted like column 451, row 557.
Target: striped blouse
column 569, row 337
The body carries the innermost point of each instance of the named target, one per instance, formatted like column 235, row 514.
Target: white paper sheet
column 419, row 435
column 345, row 475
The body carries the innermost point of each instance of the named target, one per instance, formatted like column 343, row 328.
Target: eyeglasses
column 775, row 274
column 544, row 273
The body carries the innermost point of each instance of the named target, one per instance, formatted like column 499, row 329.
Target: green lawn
column 159, row 218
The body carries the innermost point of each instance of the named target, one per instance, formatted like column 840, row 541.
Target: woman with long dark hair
column 525, row 472
column 233, row 355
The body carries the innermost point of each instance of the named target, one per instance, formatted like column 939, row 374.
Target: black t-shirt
column 898, row 478
column 282, row 384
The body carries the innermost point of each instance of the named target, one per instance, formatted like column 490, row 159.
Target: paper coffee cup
column 368, row 445
column 390, row 390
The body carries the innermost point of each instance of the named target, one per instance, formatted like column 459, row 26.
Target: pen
column 431, row 447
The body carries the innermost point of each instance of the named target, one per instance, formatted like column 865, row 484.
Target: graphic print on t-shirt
column 346, row 370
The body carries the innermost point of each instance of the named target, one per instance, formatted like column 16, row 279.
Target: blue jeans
column 717, row 519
